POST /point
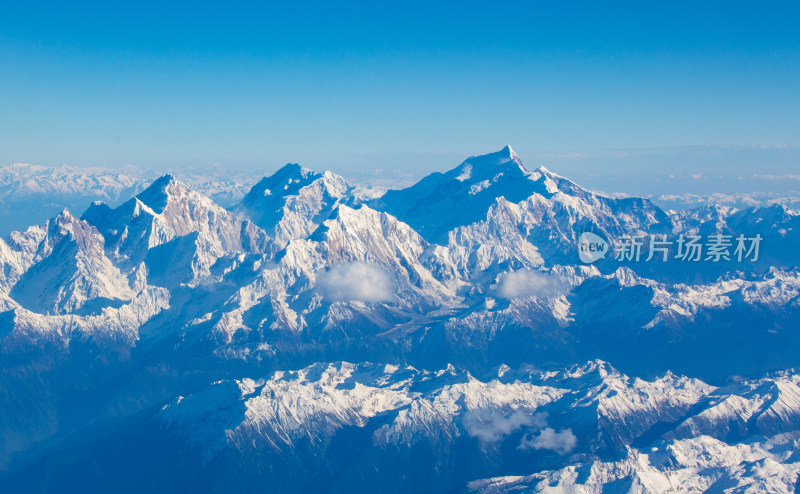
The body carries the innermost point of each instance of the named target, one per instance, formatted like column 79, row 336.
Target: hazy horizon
column 647, row 172
column 633, row 93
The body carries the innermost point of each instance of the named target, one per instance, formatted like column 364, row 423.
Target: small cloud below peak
column 529, row 283
column 356, row 281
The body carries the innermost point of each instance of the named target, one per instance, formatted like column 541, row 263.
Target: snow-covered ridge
column 573, row 414
column 699, row 464
column 31, row 194
column 297, row 227
column 169, row 301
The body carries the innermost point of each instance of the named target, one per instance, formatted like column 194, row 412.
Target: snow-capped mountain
column 742, row 200
column 172, row 228
column 72, row 272
column 333, row 426
column 457, row 313
column 699, row 464
column 294, row 201
column 31, row 194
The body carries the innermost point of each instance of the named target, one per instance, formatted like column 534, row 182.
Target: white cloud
column 786, row 176
column 697, row 176
column 356, row 281
column 491, row 426
column 562, row 442
column 527, row 283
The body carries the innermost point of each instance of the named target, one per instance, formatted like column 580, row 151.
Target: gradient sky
column 402, row 86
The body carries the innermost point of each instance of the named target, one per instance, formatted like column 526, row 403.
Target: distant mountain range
column 308, row 335
column 31, row 194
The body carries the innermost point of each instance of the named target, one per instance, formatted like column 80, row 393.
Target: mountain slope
column 440, row 202
column 169, row 342
column 73, row 274
column 183, row 225
column 333, row 426
column 293, row 202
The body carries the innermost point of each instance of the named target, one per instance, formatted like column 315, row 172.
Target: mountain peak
column 510, row 152
column 157, row 194
column 488, row 165
column 293, row 201
column 162, row 182
column 287, row 180
column 293, row 171
column 65, row 214
column 63, row 222
column 441, row 201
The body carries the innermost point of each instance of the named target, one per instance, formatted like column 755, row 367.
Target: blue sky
column 402, row 86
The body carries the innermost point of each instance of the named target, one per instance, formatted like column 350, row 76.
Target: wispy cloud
column 490, row 426
column 562, row 442
column 528, row 283
column 785, row 176
column 356, row 281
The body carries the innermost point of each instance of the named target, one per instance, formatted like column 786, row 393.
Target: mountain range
column 311, row 335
